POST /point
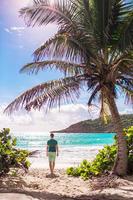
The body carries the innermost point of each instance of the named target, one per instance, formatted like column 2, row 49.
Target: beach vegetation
column 10, row 156
column 93, row 49
column 104, row 160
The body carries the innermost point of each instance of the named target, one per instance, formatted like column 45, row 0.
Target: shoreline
column 67, row 156
column 38, row 184
column 81, row 132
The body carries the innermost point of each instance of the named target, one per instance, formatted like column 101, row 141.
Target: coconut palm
column 93, row 47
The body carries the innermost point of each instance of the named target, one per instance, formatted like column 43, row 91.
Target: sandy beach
column 38, row 184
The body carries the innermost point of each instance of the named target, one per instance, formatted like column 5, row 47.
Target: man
column 51, row 152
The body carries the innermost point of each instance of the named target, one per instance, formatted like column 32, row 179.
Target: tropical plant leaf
column 94, row 94
column 67, row 68
column 64, row 45
column 43, row 12
column 49, row 93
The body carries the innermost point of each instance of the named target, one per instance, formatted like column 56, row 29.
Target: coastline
column 73, row 148
column 96, row 126
column 72, row 156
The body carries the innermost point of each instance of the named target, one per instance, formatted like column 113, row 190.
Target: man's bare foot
column 52, row 175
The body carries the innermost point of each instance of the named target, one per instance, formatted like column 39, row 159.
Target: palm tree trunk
column 120, row 166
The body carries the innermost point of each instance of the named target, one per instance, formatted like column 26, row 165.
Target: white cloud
column 127, row 111
column 17, row 29
column 7, row 30
column 42, row 121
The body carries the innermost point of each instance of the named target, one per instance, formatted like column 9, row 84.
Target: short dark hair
column 51, row 135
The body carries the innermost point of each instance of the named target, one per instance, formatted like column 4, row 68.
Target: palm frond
column 71, row 19
column 48, row 48
column 94, row 94
column 126, row 33
column 55, row 97
column 114, row 18
column 127, row 89
column 102, row 11
column 125, row 82
column 122, row 35
column 49, row 92
column 122, row 65
column 67, row 68
column 43, row 12
column 126, row 86
column 67, row 46
column 113, row 26
column 128, row 97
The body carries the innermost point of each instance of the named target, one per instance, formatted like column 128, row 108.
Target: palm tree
column 93, row 47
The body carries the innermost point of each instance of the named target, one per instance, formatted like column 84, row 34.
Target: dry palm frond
column 67, row 68
column 48, row 92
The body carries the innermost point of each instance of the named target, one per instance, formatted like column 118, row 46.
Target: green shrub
column 73, row 171
column 129, row 134
column 10, row 157
column 104, row 160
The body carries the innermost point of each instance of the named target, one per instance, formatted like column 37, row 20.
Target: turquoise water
column 73, row 147
column 37, row 141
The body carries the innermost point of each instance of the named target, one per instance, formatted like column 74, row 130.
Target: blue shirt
column 52, row 145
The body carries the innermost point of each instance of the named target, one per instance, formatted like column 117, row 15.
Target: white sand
column 38, row 184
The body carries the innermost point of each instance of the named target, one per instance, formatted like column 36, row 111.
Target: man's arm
column 57, row 150
column 47, row 150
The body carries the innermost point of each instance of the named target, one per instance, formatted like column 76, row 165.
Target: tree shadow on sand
column 12, row 182
column 17, row 185
column 51, row 196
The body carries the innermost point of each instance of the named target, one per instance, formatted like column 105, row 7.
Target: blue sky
column 17, row 43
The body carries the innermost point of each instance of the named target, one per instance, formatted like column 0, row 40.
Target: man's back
column 52, row 145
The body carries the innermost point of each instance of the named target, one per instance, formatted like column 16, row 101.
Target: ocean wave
column 73, row 148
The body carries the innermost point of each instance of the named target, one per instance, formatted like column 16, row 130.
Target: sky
column 17, row 43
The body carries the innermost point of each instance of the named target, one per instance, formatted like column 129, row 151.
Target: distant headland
column 96, row 126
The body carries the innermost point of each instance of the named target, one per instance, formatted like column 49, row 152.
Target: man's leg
column 52, row 162
column 51, row 166
column 54, row 157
